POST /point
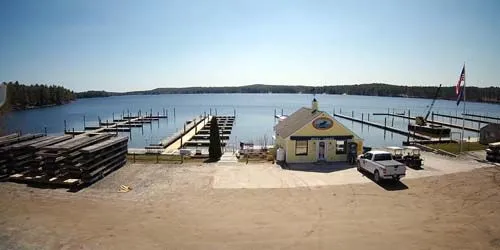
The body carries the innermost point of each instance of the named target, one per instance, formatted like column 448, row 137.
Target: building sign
column 322, row 123
column 328, row 137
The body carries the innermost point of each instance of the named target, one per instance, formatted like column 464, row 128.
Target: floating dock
column 451, row 125
column 117, row 125
column 196, row 133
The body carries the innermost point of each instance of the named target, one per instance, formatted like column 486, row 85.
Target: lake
column 254, row 114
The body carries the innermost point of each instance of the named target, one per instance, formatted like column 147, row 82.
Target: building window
column 301, row 147
column 341, row 147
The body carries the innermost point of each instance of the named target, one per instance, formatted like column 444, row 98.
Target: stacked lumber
column 97, row 160
column 61, row 160
column 53, row 157
column 14, row 156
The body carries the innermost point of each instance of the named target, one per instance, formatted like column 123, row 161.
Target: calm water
column 254, row 114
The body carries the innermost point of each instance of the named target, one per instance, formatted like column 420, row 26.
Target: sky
column 119, row 45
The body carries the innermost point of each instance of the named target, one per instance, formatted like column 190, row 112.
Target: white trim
column 325, row 155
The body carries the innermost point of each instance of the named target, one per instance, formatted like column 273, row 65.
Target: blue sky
column 118, row 45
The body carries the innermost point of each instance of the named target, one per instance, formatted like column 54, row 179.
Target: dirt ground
column 177, row 207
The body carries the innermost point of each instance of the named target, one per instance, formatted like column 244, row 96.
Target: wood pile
column 14, row 154
column 62, row 160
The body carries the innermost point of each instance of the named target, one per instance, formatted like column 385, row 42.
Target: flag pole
column 463, row 115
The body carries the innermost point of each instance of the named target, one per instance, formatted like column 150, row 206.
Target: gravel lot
column 451, row 204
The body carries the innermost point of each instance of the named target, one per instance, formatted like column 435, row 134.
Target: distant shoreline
column 474, row 94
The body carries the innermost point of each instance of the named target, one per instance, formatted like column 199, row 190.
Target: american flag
column 459, row 83
column 459, row 88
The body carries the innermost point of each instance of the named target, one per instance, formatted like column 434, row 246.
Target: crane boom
column 432, row 103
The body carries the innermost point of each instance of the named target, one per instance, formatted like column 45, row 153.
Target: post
column 340, row 110
column 45, row 129
column 174, row 112
column 282, row 112
column 385, row 122
column 210, row 111
column 352, row 115
column 432, row 116
column 368, row 116
column 362, row 115
column 392, row 124
column 234, row 112
column 215, row 111
column 84, row 122
column 106, row 124
column 65, row 126
column 463, row 115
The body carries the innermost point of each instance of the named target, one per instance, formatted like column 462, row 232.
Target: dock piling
column 45, row 130
column 64, row 126
column 385, row 122
column 392, row 124
column 281, row 112
column 352, row 113
column 362, row 115
column 174, row 112
column 83, row 121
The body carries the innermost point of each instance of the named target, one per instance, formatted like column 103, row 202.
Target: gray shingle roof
column 296, row 121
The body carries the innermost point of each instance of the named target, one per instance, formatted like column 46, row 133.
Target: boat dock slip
column 483, row 117
column 178, row 139
column 434, row 122
column 382, row 126
column 460, row 118
column 120, row 125
column 202, row 138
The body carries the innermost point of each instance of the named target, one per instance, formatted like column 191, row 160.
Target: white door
column 322, row 150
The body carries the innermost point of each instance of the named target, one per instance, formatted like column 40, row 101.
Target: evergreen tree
column 214, row 149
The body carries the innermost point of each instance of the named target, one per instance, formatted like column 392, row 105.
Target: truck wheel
column 376, row 176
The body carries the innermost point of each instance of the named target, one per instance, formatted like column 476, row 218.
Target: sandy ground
column 452, row 204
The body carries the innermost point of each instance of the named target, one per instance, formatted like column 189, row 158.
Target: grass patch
column 455, row 147
column 153, row 158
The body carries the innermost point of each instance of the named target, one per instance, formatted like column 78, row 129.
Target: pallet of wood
column 14, row 154
column 77, row 162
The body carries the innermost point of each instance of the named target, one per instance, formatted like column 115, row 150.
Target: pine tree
column 214, row 148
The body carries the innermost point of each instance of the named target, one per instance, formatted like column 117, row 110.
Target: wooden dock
column 451, row 125
column 460, row 118
column 178, row 139
column 483, row 117
column 117, row 125
column 388, row 128
column 197, row 134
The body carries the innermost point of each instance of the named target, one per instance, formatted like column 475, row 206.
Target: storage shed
column 489, row 133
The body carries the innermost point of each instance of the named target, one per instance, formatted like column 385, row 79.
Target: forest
column 21, row 96
column 476, row 94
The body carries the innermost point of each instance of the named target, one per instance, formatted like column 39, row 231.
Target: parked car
column 381, row 165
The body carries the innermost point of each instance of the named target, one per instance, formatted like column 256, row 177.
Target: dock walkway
column 435, row 122
column 382, row 126
column 177, row 140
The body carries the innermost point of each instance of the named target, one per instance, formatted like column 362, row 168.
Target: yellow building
column 310, row 135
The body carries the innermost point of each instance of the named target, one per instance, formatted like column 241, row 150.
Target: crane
column 422, row 121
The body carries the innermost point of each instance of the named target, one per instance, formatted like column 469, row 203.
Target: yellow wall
column 336, row 129
column 290, row 152
column 309, row 130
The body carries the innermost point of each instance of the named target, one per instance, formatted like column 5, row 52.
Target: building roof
column 296, row 121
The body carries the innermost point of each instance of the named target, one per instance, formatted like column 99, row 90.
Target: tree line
column 476, row 94
column 20, row 96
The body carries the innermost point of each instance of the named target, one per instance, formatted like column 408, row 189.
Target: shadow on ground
column 317, row 167
column 388, row 185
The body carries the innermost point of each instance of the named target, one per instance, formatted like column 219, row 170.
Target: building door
column 321, row 151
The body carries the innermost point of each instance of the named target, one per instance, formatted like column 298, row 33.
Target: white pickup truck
column 381, row 165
